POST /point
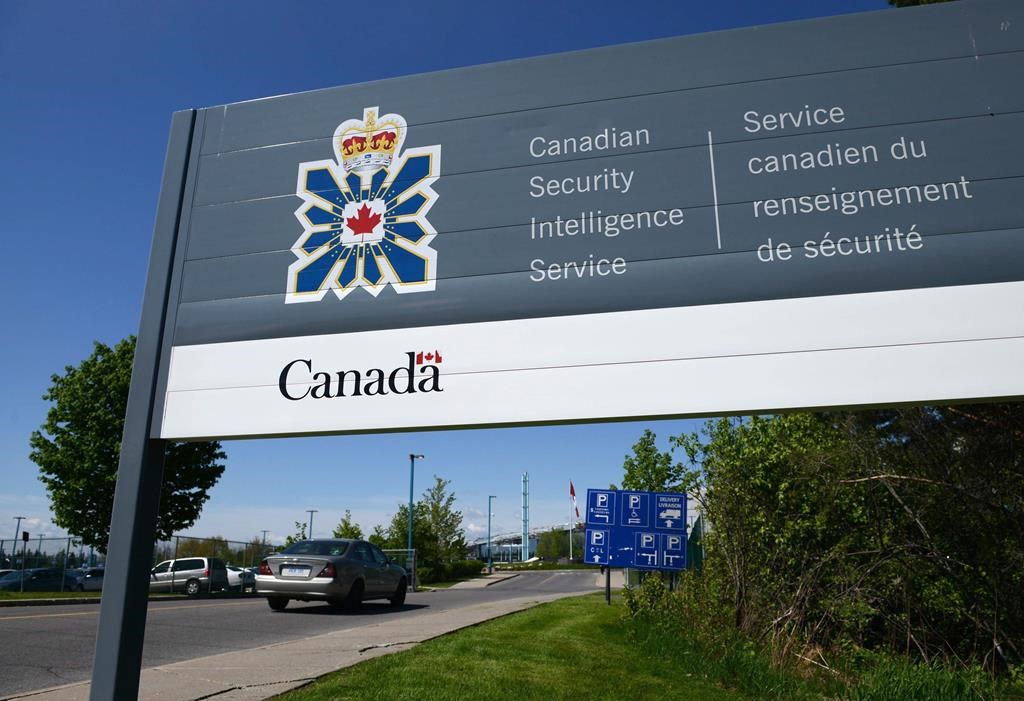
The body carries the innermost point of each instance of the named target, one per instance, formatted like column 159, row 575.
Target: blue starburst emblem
column 364, row 215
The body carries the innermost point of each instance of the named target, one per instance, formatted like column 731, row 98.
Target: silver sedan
column 342, row 572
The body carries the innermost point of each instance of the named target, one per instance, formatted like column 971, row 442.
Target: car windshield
column 11, row 575
column 317, row 547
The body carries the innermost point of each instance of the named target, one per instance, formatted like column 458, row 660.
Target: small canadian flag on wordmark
column 429, row 358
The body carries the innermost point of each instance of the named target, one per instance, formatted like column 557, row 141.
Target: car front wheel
column 399, row 596
column 277, row 603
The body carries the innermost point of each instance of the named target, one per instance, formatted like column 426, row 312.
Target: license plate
column 289, row 571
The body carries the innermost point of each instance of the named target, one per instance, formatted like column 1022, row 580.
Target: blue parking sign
column 670, row 511
column 598, row 543
column 636, row 510
column 673, row 551
column 601, row 507
column 642, row 530
column 646, row 552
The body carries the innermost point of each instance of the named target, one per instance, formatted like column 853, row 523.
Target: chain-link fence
column 68, row 559
column 47, row 552
column 51, row 564
column 240, row 553
column 406, row 559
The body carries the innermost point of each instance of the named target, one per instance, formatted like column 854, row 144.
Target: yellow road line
column 152, row 610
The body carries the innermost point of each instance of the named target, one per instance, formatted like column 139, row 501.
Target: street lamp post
column 490, row 562
column 17, row 533
column 413, row 457
column 311, row 512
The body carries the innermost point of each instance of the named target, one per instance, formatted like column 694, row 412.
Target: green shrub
column 447, row 571
column 464, row 568
column 898, row 680
column 694, row 630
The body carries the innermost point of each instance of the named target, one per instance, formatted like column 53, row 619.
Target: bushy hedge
column 447, row 571
column 691, row 626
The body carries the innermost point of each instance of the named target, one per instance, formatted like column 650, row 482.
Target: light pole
column 412, row 469
column 490, row 562
column 311, row 512
column 17, row 534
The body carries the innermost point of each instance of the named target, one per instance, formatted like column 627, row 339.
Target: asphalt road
column 46, row 646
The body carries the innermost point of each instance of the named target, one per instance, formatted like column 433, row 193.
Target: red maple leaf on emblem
column 364, row 221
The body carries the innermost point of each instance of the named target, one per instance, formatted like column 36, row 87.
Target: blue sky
column 86, row 94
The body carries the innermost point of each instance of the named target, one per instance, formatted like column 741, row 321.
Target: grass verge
column 571, row 649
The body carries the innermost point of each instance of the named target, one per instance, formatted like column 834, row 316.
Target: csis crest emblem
column 364, row 214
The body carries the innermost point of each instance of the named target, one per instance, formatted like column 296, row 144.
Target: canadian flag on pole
column 572, row 493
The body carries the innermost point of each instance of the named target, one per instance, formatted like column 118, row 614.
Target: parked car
column 241, row 579
column 90, row 579
column 192, row 575
column 37, row 579
column 340, row 571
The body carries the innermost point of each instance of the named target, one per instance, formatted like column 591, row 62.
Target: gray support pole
column 24, row 557
column 118, row 657
column 412, row 470
column 64, row 574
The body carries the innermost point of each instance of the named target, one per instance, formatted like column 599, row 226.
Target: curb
column 503, row 579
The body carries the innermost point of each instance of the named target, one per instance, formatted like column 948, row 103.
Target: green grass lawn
column 571, row 649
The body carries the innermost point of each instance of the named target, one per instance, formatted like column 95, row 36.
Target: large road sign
column 639, row 530
column 773, row 218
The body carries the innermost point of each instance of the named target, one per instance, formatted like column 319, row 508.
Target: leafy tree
column 438, row 537
column 216, row 546
column 379, row 537
column 347, row 529
column 395, row 535
column 893, row 530
column 300, row 534
column 78, row 447
column 554, row 544
column 652, row 470
column 444, row 523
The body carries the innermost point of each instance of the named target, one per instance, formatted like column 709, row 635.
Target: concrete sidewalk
column 266, row 671
column 484, row 581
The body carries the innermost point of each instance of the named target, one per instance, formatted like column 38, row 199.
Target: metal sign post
column 119, row 638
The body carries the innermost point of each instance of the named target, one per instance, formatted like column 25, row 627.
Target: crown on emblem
column 366, row 145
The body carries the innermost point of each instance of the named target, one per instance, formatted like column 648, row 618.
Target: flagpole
column 572, row 506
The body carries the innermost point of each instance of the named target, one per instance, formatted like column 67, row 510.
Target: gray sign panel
column 867, row 153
